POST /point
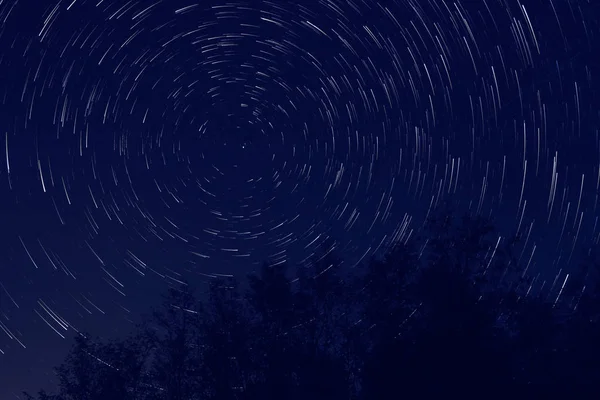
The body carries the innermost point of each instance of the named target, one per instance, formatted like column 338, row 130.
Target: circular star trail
column 171, row 140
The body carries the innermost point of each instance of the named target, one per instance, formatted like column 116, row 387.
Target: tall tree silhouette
column 428, row 315
column 175, row 348
column 228, row 368
column 320, row 300
column 271, row 300
column 448, row 311
column 387, row 305
column 580, row 321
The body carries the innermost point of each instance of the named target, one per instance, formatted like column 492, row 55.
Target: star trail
column 151, row 142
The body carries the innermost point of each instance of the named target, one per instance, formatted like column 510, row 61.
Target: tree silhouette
column 320, row 304
column 271, row 301
column 447, row 311
column 173, row 343
column 228, row 368
column 95, row 370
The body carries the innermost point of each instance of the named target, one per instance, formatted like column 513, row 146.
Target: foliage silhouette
column 448, row 311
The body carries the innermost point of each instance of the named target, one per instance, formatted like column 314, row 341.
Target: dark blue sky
column 145, row 143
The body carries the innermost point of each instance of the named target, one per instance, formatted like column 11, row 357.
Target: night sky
column 148, row 142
